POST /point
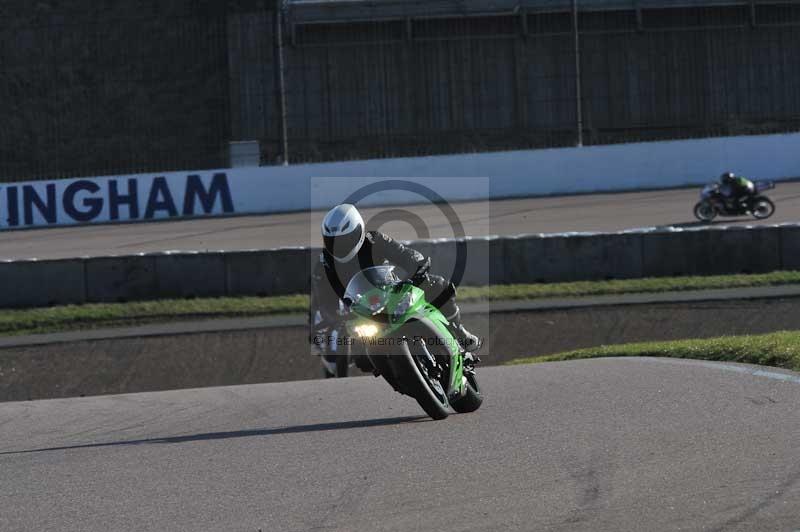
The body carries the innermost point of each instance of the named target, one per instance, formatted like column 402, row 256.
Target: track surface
column 602, row 445
column 598, row 212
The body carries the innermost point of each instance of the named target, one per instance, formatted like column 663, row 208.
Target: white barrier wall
column 289, row 188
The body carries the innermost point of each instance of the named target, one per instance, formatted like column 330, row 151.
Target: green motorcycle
column 409, row 342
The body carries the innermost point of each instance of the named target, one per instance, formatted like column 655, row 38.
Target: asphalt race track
column 602, row 445
column 597, row 212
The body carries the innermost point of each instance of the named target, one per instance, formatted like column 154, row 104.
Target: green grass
column 781, row 349
column 73, row 317
column 627, row 286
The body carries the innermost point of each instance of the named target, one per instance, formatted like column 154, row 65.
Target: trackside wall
column 227, row 192
column 518, row 259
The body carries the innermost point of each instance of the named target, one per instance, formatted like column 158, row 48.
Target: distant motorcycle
column 713, row 203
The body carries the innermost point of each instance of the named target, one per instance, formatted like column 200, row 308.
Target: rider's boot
column 468, row 341
column 328, row 365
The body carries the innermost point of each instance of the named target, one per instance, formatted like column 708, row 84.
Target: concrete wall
column 497, row 260
column 474, row 176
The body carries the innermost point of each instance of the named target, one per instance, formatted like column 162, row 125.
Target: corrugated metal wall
column 411, row 87
column 438, row 86
column 253, row 81
column 715, row 76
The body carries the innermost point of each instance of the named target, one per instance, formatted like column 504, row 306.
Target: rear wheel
column 762, row 208
column 705, row 211
column 343, row 363
column 472, row 398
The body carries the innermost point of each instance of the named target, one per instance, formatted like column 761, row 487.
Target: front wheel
column 415, row 377
column 705, row 211
column 431, row 396
column 762, row 208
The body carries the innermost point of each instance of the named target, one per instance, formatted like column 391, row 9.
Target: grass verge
column 75, row 317
column 780, row 349
column 627, row 286
column 103, row 315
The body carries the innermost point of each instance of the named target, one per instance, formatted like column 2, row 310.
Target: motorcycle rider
column 736, row 189
column 349, row 248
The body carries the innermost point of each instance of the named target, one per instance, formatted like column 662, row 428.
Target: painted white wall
column 516, row 173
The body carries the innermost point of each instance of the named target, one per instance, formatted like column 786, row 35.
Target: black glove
column 421, row 275
column 418, row 278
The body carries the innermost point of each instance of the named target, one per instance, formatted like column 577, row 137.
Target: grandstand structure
column 117, row 87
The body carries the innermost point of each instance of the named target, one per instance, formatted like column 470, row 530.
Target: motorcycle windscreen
column 370, row 287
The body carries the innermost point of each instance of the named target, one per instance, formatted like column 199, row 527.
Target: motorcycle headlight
column 366, row 330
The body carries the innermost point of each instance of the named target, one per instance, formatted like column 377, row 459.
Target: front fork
column 457, row 385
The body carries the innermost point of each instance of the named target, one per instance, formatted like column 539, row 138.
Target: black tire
column 767, row 203
column 472, row 399
column 704, row 211
column 433, row 404
column 411, row 380
column 342, row 367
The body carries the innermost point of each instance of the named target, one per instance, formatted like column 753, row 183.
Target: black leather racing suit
column 738, row 190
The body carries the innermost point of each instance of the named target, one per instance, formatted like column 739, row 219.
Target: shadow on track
column 319, row 427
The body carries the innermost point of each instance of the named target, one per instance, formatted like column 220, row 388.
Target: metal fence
column 111, row 90
column 155, row 86
column 541, row 79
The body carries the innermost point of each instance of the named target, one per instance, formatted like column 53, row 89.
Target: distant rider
column 736, row 189
column 348, row 248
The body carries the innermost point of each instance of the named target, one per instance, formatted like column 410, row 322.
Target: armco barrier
column 496, row 260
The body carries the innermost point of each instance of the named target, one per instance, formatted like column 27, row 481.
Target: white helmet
column 343, row 232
